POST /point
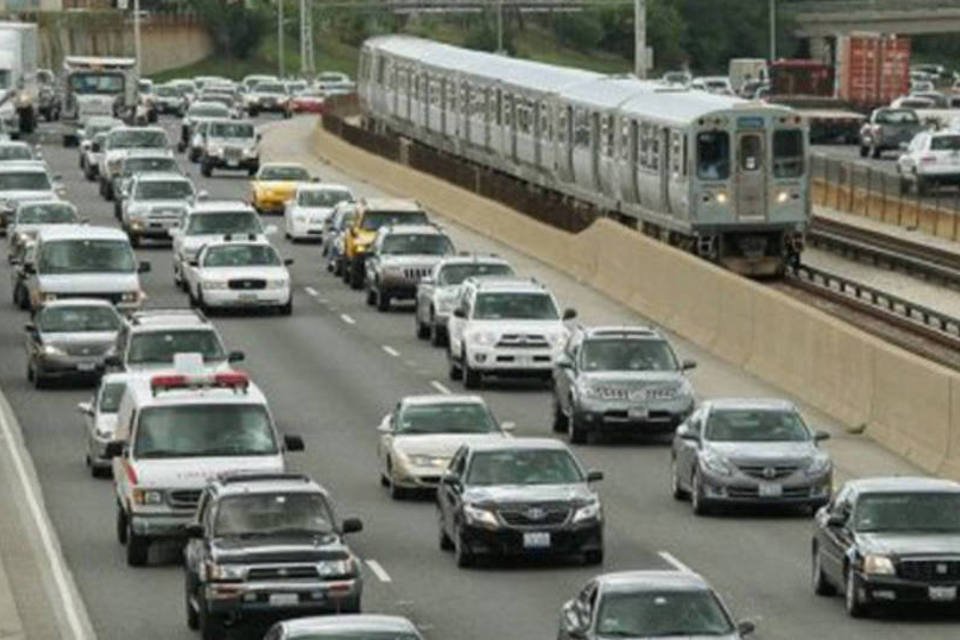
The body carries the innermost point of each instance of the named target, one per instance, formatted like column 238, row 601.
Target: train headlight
column 783, row 197
column 722, row 197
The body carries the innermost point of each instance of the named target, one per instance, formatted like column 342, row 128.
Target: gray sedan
column 748, row 452
column 338, row 627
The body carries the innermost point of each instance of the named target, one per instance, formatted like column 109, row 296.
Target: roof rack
column 234, row 477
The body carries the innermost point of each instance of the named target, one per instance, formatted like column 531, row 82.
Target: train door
column 634, row 161
column 665, row 161
column 751, row 176
column 566, row 153
column 595, row 148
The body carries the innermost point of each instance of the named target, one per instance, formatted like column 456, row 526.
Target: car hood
column 517, row 326
column 77, row 338
column 107, row 422
column 178, row 473
column 278, row 548
column 235, row 273
column 909, row 543
column 436, row 444
column 424, row 260
column 234, row 142
column 502, row 494
column 631, row 379
column 31, row 229
column 276, row 186
column 765, row 452
column 312, row 211
column 18, row 195
column 89, row 282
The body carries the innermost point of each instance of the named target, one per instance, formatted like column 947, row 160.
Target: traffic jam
column 178, row 229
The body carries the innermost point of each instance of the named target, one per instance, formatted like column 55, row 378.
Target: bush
column 582, row 30
column 236, row 30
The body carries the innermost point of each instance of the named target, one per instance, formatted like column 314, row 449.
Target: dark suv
column 267, row 547
column 884, row 541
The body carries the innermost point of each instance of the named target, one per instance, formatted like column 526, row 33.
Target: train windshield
column 713, row 155
column 787, row 154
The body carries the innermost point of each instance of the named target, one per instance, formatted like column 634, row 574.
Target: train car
column 716, row 175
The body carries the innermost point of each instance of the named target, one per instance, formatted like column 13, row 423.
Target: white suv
column 505, row 327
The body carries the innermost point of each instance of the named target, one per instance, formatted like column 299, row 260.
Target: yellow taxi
column 274, row 184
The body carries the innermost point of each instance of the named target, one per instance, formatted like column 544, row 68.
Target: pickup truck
column 888, row 129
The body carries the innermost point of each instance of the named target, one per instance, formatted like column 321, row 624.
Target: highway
column 331, row 371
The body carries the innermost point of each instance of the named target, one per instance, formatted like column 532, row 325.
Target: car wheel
column 923, row 186
column 864, row 151
column 206, row 169
column 438, row 335
column 821, row 586
column 121, row 525
column 356, row 277
column 679, row 493
column 471, row 377
column 875, row 153
column 462, row 555
column 383, row 301
column 193, row 620
column 134, row 240
column 212, row 626
column 697, row 500
column 578, row 432
column 137, row 548
column 904, row 186
column 39, row 380
column 287, row 309
column 446, row 544
column 200, row 302
column 851, row 597
column 371, row 296
column 455, row 371
column 30, row 370
column 593, row 557
column 422, row 329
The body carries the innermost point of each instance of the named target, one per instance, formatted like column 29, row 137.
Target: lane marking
column 347, row 319
column 390, row 351
column 379, row 571
column 322, row 300
column 311, row 291
column 46, row 535
column 439, row 386
column 670, row 559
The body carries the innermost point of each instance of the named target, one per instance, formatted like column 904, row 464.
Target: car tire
column 821, row 586
column 462, row 555
column 560, row 421
column 446, row 544
column 371, row 296
column 455, row 372
column 593, row 557
column 212, row 626
column 30, row 370
column 678, row 492
column 471, row 377
column 200, row 302
column 39, row 380
column 134, row 240
column 287, row 309
column 876, row 152
column 193, row 156
column 193, row 620
column 206, row 169
column 383, row 301
column 578, row 432
column 697, row 501
column 851, row 600
column 138, row 547
column 904, row 186
column 923, row 187
column 20, row 297
column 356, row 277
column 864, row 151
column 421, row 329
column 438, row 335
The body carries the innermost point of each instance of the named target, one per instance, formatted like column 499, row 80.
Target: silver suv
column 625, row 379
column 401, row 256
column 153, row 204
column 230, row 144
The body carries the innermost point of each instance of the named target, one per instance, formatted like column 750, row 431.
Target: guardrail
column 856, row 6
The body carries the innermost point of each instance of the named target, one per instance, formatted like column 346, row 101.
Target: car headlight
column 53, row 350
column 589, row 511
column 250, row 151
column 419, row 460
column 479, row 516
column 586, row 391
column 214, row 284
column 225, row 572
column 149, row 497
column 331, row 568
column 482, row 338
column 113, row 165
column 104, row 434
column 878, row 565
column 215, row 150
column 716, row 463
column 556, row 339
column 361, row 247
column 277, row 283
column 48, row 297
column 662, row 393
column 818, row 465
column 130, row 296
column 300, row 218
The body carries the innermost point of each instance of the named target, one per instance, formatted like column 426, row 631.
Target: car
column 78, row 261
column 49, row 95
column 169, row 99
column 154, row 203
column 888, row 129
column 175, row 431
column 624, row 380
column 505, row 327
column 100, row 422
column 198, row 112
column 136, row 162
column 234, row 572
column 746, row 451
column 268, row 96
column 338, row 627
column 371, row 214
column 274, row 184
column 307, row 212
column 226, row 98
column 230, row 144
column 889, row 541
column 649, row 604
column 33, row 215
column 185, row 88
column 150, row 340
column 438, row 292
column 96, row 126
column 70, row 339
column 248, row 98
column 308, row 101
column 421, row 435
column 240, row 272
column 25, row 181
column 719, row 85
column 932, row 159
column 146, row 108
column 294, row 87
column 208, row 221
column 519, row 497
column 16, row 151
column 119, row 142
column 400, row 257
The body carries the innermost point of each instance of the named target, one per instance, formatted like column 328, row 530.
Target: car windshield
column 51, row 213
column 143, row 165
column 202, row 430
column 919, row 512
column 86, row 256
column 465, row 417
column 110, row 395
column 662, row 613
column 515, row 306
column 15, row 152
column 945, row 143
column 137, row 139
column 92, row 83
column 208, row 111
column 897, row 116
column 454, row 274
column 24, row 181
column 223, row 223
column 287, row 174
column 167, row 91
column 373, row 220
column 627, row 355
column 272, row 514
column 411, row 244
column 159, row 347
column 157, row 190
column 242, row 255
column 755, row 425
column 93, row 128
column 231, row 130
column 74, row 318
column 270, row 87
column 523, row 466
column 323, row 197
column 219, row 98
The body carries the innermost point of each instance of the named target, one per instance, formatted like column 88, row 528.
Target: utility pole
column 136, row 34
column 280, row 56
column 499, row 26
column 307, row 63
column 640, row 38
column 773, row 30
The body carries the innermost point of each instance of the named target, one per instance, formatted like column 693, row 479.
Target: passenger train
column 723, row 177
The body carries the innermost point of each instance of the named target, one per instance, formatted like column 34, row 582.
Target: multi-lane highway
column 331, row 371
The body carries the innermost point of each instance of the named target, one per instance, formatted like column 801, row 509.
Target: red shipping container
column 800, row 77
column 872, row 69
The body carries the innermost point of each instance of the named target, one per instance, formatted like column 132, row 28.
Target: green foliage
column 482, row 33
column 236, row 29
column 717, row 31
column 580, row 30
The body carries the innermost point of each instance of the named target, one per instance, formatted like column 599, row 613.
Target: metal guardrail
column 856, row 6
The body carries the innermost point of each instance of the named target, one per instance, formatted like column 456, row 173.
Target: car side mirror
column 836, row 520
column 820, row 436
column 315, row 179
column 29, row 268
column 688, row 434
column 426, row 280
column 687, row 365
column 746, row 627
column 259, row 137
column 385, row 426
column 460, row 313
column 288, row 262
column 194, row 530
column 508, row 426
column 569, row 314
column 193, row 263
column 293, row 443
column 572, row 624
column 236, row 356
column 564, row 362
column 143, row 267
column 594, row 476
column 30, row 327
column 450, row 479
column 203, row 195
column 85, row 408
column 351, row 525
column 113, row 361
column 114, row 449
column 96, row 147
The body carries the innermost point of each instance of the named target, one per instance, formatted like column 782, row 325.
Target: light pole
column 136, row 34
column 280, row 56
column 499, row 26
column 773, row 30
column 640, row 38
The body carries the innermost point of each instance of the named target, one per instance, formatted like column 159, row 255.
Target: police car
column 239, row 272
column 176, row 431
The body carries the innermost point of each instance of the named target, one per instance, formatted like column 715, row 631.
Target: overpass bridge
column 817, row 19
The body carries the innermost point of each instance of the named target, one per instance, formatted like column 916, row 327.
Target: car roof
column 18, row 166
column 161, row 176
column 391, row 204
column 349, row 622
column 499, row 444
column 45, row 202
column 220, row 206
column 14, row 143
column 471, row 258
column 77, row 302
column 651, row 579
column 895, row 484
column 254, row 483
column 140, row 386
column 611, row 331
column 437, row 398
column 322, row 186
column 129, row 128
column 168, row 318
column 209, row 103
column 148, row 153
column 257, row 241
column 80, row 232
column 762, row 404
column 506, row 283
column 412, row 229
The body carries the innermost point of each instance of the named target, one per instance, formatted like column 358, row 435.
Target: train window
column 653, row 149
column 464, row 98
column 522, row 114
column 787, row 153
column 494, row 108
column 562, row 126
column 544, row 131
column 451, row 92
column 751, row 152
column 507, row 110
column 607, row 135
column 581, row 129
column 676, row 153
column 478, row 102
column 381, row 70
column 713, row 155
column 624, row 139
column 434, row 91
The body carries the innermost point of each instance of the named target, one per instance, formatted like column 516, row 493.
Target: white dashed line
column 436, row 384
column 322, row 300
column 379, row 571
column 347, row 319
column 310, row 291
column 672, row 561
column 390, row 351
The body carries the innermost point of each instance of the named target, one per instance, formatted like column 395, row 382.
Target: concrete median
column 908, row 404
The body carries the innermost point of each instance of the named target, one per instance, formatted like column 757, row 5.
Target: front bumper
column 418, row 478
column 67, row 366
column 271, row 107
column 633, row 417
column 740, row 489
column 161, row 525
column 285, row 599
column 398, row 287
column 245, row 163
column 892, row 590
column 514, row 362
column 154, row 229
column 239, row 298
column 571, row 539
column 306, row 230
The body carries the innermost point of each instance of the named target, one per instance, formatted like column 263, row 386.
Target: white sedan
column 932, row 159
column 305, row 214
column 239, row 272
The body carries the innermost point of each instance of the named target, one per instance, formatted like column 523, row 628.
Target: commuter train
column 720, row 176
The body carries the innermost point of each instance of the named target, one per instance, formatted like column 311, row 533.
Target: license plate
column 247, row 297
column 638, row 413
column 233, row 163
column 536, row 540
column 768, row 490
column 87, row 366
column 284, row 599
column 943, row 594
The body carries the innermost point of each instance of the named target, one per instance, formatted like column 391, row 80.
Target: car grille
column 612, row 393
column 753, row 492
column 166, row 213
column 247, row 284
column 535, row 515
column 232, row 153
column 88, row 349
column 306, row 572
column 930, row 570
column 522, row 341
column 112, row 297
column 416, row 273
column 767, row 471
column 184, row 498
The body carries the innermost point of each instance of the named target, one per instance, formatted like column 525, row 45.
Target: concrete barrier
column 910, row 405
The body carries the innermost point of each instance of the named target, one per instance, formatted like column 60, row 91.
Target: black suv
column 267, row 547
column 519, row 497
column 884, row 541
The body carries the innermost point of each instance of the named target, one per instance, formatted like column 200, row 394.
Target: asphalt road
column 331, row 371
